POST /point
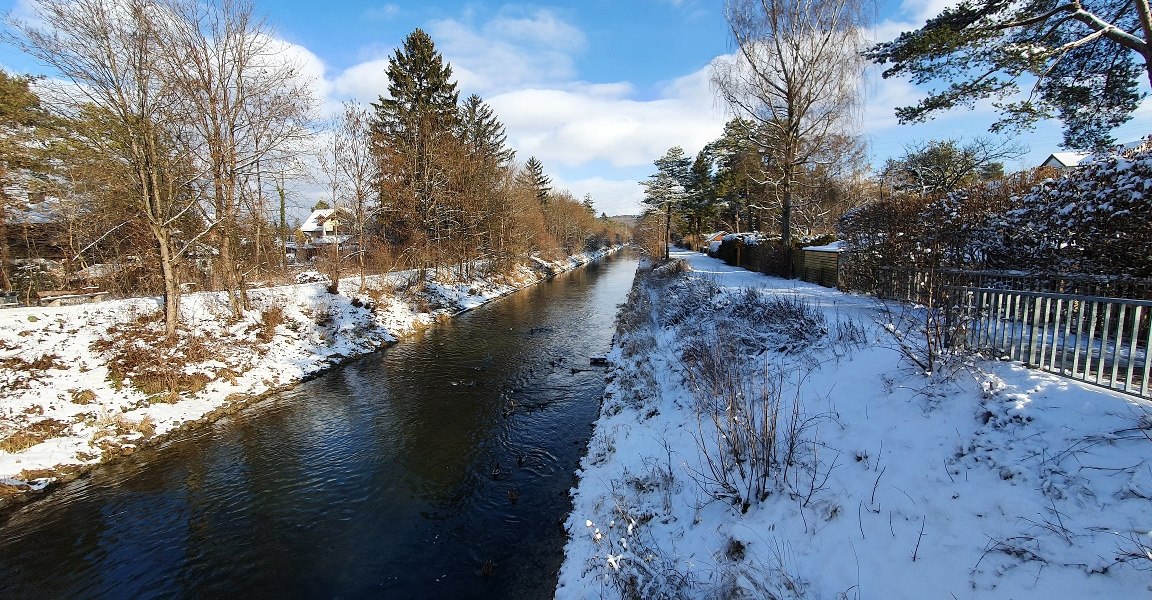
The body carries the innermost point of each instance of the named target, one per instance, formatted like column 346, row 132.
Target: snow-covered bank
column 790, row 452
column 83, row 384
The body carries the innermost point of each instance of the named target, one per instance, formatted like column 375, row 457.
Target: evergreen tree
column 414, row 131
column 666, row 189
column 1082, row 60
column 589, row 205
column 532, row 176
column 23, row 160
column 700, row 198
column 740, row 177
column 482, row 134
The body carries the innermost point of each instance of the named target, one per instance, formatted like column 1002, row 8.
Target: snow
column 985, row 480
column 55, row 379
column 836, row 246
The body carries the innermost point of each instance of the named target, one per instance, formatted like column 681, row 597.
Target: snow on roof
column 836, row 246
column 315, row 221
column 1064, row 160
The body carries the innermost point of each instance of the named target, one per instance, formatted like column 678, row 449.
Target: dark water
column 438, row 468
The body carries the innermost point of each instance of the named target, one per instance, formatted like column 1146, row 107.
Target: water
column 438, row 468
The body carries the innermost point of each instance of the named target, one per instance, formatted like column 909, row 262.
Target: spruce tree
column 482, row 134
column 422, row 96
column 533, row 177
column 413, row 130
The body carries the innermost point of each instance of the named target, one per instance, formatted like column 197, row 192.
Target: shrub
column 270, row 318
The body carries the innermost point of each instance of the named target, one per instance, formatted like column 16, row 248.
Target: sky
column 596, row 90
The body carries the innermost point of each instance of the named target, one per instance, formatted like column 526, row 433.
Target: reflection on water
column 438, row 468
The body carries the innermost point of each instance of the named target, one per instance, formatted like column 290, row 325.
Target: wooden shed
column 821, row 265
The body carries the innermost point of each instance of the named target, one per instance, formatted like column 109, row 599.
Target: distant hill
column 629, row 220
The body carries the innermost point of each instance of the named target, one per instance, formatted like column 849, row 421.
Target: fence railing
column 918, row 285
column 1099, row 340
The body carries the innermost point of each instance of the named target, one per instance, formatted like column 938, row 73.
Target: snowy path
column 992, row 481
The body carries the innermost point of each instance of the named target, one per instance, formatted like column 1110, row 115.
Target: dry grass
column 83, row 396
column 24, row 372
column 33, row 434
column 138, row 354
column 118, row 425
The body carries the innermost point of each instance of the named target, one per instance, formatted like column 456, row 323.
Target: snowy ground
column 70, row 398
column 873, row 480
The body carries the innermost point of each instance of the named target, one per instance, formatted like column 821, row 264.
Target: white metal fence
column 1099, row 340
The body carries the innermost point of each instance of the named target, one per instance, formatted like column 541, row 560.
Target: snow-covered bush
column 752, row 424
column 1093, row 220
column 1090, row 220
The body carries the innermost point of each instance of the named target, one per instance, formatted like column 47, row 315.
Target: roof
column 836, row 246
column 1064, row 160
column 315, row 221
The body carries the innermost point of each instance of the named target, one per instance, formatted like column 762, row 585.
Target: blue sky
column 596, row 89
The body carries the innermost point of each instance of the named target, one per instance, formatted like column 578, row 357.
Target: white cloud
column 365, row 82
column 610, row 196
column 511, row 50
column 523, row 64
column 588, row 123
column 919, row 11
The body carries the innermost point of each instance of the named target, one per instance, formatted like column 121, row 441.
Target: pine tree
column 22, row 157
column 740, row 177
column 532, row 176
column 666, row 189
column 700, row 197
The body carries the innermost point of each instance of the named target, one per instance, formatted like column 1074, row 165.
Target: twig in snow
column 859, row 518
column 923, row 520
column 875, row 485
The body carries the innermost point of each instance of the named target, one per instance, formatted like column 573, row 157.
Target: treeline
column 166, row 157
column 1091, row 220
column 730, row 185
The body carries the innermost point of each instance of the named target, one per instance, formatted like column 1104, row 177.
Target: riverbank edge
column 28, row 485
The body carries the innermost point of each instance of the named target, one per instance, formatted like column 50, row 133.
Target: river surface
column 438, row 468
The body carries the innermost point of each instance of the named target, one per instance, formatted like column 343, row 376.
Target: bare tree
column 107, row 49
column 361, row 171
column 245, row 102
column 796, row 76
column 945, row 165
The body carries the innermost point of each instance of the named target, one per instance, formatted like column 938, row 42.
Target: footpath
column 769, row 438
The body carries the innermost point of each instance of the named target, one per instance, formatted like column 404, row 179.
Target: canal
column 438, row 468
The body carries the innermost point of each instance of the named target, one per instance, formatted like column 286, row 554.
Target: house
column 324, row 228
column 1069, row 160
column 711, row 242
column 1064, row 160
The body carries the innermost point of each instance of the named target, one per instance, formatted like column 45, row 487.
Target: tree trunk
column 786, row 217
column 5, row 256
column 1142, row 9
column 171, row 283
column 667, row 230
